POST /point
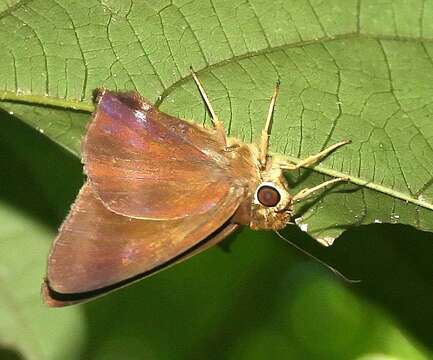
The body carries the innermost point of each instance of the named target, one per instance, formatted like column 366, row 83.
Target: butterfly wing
column 148, row 165
column 55, row 299
column 97, row 248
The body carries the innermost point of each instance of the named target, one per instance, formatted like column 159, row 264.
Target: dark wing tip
column 131, row 99
column 97, row 94
column 47, row 296
column 53, row 299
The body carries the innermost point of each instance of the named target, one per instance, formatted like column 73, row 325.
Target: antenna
column 218, row 125
column 264, row 142
column 329, row 267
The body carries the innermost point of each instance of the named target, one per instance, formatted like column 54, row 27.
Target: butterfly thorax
column 267, row 204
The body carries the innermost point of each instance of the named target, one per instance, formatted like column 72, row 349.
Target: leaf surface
column 359, row 70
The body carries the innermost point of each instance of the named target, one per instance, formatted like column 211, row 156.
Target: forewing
column 97, row 248
column 146, row 164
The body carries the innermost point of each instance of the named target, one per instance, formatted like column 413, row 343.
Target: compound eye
column 268, row 196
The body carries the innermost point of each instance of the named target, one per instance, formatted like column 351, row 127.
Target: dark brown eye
column 268, row 196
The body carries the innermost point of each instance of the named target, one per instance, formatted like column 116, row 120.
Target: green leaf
column 359, row 70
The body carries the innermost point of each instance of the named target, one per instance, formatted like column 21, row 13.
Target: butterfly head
column 271, row 206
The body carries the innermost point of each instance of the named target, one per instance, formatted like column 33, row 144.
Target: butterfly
column 160, row 189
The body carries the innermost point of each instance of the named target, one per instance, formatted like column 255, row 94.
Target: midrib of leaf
column 366, row 184
column 50, row 101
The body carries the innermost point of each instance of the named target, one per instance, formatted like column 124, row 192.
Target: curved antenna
column 264, row 142
column 217, row 124
column 329, row 267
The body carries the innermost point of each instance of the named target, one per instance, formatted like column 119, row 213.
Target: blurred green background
column 261, row 299
column 364, row 63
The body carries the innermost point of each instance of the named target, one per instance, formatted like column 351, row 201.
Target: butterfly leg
column 218, row 125
column 304, row 193
column 313, row 159
column 266, row 132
